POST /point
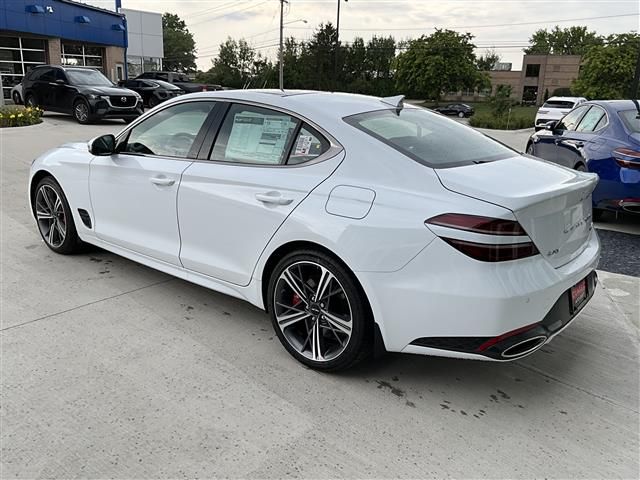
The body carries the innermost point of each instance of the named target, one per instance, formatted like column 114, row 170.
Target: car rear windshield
column 631, row 119
column 558, row 104
column 88, row 77
column 429, row 138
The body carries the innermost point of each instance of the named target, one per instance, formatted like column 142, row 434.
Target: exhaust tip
column 524, row 347
column 631, row 207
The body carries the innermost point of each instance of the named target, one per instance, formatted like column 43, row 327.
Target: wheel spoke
column 316, row 335
column 46, row 199
column 61, row 231
column 337, row 322
column 57, row 205
column 40, row 215
column 293, row 283
column 52, row 230
column 288, row 307
column 325, row 279
column 287, row 320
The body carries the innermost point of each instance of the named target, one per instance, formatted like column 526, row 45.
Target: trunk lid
column 553, row 204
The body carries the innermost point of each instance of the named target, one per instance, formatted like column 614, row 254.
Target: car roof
column 568, row 99
column 317, row 106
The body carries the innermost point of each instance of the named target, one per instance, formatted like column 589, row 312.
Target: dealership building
column 65, row 32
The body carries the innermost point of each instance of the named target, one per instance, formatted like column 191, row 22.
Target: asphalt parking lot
column 111, row 369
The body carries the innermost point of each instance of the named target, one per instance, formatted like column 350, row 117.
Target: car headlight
column 93, row 96
column 104, row 97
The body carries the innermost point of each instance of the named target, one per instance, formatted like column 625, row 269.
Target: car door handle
column 162, row 181
column 273, row 198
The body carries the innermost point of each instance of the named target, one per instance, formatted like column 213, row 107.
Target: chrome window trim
column 334, row 146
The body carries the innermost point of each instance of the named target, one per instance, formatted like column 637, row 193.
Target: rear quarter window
column 631, row 118
column 429, row 138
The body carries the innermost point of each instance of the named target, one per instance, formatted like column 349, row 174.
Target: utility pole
column 337, row 52
column 281, row 52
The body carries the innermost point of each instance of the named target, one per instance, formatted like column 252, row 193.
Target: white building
column 146, row 49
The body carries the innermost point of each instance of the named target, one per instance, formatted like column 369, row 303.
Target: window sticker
column 303, row 146
column 258, row 138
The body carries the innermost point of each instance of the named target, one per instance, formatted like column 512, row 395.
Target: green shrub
column 516, row 122
column 19, row 116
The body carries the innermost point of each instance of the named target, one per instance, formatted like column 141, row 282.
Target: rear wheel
column 581, row 168
column 81, row 111
column 54, row 218
column 16, row 98
column 530, row 149
column 461, row 114
column 318, row 311
column 30, row 101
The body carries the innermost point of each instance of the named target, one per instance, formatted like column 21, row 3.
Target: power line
column 484, row 26
column 199, row 13
column 250, row 7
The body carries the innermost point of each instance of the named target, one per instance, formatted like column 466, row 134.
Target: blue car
column 602, row 137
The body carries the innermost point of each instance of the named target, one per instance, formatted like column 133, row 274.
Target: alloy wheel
column 313, row 311
column 50, row 215
column 81, row 111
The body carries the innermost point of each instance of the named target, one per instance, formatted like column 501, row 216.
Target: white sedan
column 360, row 224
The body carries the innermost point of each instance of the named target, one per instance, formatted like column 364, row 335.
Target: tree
column 607, row 71
column 179, row 45
column 239, row 66
column 562, row 41
column 441, row 62
column 501, row 102
column 488, row 61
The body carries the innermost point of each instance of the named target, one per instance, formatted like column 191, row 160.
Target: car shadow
column 64, row 119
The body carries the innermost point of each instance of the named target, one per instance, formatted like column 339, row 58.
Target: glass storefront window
column 17, row 56
column 78, row 55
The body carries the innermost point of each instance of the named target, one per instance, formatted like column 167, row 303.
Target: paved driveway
column 111, row 369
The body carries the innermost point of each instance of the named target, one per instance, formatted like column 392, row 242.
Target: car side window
column 61, row 76
column 571, row 119
column 254, row 135
column 47, row 75
column 592, row 120
column 308, row 145
column 169, row 133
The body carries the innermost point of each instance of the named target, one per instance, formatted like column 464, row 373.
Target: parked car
column 153, row 92
column 16, row 94
column 82, row 92
column 180, row 80
column 602, row 137
column 358, row 223
column 458, row 109
column 554, row 109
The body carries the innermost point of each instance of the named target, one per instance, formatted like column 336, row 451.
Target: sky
column 504, row 25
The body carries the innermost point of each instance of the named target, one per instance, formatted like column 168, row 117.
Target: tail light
column 204, row 89
column 627, row 158
column 485, row 252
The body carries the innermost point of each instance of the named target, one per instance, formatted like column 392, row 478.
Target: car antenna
column 397, row 102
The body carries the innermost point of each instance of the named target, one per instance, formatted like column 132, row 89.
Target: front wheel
column 530, row 150
column 54, row 218
column 16, row 98
column 81, row 112
column 460, row 114
column 30, row 101
column 319, row 312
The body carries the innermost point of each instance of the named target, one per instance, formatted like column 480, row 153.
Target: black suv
column 83, row 92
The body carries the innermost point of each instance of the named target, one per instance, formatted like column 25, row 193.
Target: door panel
column 226, row 215
column 134, row 203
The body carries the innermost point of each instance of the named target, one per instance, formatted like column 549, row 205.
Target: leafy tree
column 322, row 51
column 239, row 66
column 562, row 41
column 501, row 102
column 607, row 71
column 179, row 45
column 443, row 61
column 488, row 61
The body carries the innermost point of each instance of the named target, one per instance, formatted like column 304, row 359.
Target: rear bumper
column 443, row 302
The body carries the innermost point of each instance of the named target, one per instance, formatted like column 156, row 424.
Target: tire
column 30, row 100
column 153, row 102
column 81, row 112
column 54, row 219
column 530, row 150
column 320, row 334
column 16, row 98
column 460, row 114
column 598, row 214
column 581, row 168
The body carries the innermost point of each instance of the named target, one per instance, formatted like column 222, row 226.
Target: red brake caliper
column 296, row 299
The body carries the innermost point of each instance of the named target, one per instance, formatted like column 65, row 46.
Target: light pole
column 281, row 50
column 335, row 57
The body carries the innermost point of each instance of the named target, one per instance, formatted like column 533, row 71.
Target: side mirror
column 551, row 125
column 103, row 146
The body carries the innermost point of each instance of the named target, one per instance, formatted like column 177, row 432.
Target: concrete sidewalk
column 110, row 369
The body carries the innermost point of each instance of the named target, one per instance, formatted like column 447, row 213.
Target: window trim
column 582, row 105
column 606, row 116
column 123, row 137
column 213, row 128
